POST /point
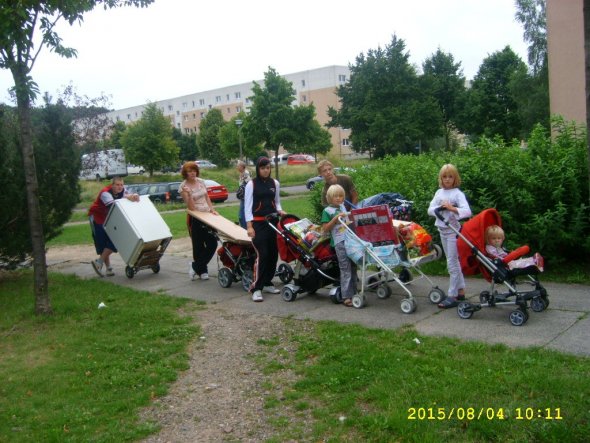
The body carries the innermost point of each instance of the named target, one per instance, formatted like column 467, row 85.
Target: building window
column 247, row 100
column 210, row 106
column 193, row 103
column 177, row 112
column 227, row 97
column 202, row 115
column 217, row 98
column 228, row 111
column 238, row 109
column 170, row 107
column 178, row 125
column 303, row 83
column 304, row 98
column 202, row 102
column 238, row 95
column 185, row 104
column 341, row 78
column 345, row 142
column 128, row 116
column 194, row 116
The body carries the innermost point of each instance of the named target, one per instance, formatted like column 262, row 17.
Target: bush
column 541, row 192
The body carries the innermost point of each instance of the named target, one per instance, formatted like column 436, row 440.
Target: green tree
column 59, row 164
column 492, row 109
column 187, row 144
column 114, row 139
column 531, row 13
column 208, row 138
column 19, row 48
column 274, row 121
column 149, row 141
column 445, row 79
column 232, row 135
column 384, row 103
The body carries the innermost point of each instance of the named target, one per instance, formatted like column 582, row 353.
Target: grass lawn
column 84, row 373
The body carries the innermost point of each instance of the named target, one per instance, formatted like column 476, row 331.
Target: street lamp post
column 239, row 125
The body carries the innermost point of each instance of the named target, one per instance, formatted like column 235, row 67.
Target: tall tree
column 531, row 13
column 208, row 138
column 187, row 144
column 19, row 49
column 587, row 77
column 274, row 121
column 149, row 141
column 384, row 104
column 447, row 83
column 492, row 109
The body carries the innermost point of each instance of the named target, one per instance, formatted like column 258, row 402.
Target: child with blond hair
column 495, row 237
column 450, row 198
column 330, row 220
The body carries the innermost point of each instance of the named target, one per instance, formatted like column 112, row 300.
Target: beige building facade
column 566, row 57
column 316, row 86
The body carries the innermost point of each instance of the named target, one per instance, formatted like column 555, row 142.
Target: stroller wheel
column 465, row 310
column 518, row 317
column 383, row 291
column 288, row 294
column 539, row 304
column 225, row 277
column 285, row 273
column 129, row 272
column 436, row 296
column 408, row 305
column 358, row 301
column 405, row 276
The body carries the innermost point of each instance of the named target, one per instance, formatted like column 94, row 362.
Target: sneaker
column 271, row 290
column 191, row 272
column 97, row 265
column 257, row 296
column 110, row 272
column 204, row 276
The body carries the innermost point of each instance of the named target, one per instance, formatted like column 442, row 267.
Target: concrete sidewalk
column 564, row 326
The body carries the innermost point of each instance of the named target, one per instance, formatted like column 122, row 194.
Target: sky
column 180, row 47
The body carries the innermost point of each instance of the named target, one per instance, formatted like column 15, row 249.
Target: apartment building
column 317, row 86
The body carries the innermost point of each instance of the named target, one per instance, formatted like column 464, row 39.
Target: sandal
column 451, row 302
column 347, row 302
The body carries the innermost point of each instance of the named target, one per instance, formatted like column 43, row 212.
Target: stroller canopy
column 474, row 231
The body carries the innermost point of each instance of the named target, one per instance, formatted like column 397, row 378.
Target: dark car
column 161, row 192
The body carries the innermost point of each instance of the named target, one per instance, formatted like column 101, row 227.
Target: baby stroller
column 470, row 244
column 316, row 265
column 238, row 260
column 417, row 246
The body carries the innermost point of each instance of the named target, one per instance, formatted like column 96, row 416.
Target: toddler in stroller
column 470, row 244
column 494, row 241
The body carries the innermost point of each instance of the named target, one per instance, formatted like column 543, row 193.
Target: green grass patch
column 370, row 385
column 83, row 373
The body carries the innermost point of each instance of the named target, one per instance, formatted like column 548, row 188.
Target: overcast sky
column 179, row 47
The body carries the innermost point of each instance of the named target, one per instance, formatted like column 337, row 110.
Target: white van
column 282, row 159
column 103, row 164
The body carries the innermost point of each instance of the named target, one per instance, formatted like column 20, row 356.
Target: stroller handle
column 438, row 214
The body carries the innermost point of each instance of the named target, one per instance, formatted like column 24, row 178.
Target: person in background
column 326, row 170
column 194, row 193
column 261, row 200
column 450, row 197
column 242, row 181
column 97, row 215
column 330, row 220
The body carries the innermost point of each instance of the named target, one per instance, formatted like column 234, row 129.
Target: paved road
column 564, row 326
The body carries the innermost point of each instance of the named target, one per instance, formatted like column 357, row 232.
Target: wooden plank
column 226, row 228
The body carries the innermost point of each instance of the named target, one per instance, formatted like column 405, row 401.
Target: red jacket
column 99, row 210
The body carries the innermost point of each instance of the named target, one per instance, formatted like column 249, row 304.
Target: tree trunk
column 42, row 301
column 587, row 52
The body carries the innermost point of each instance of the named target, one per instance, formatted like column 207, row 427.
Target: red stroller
column 470, row 244
column 316, row 265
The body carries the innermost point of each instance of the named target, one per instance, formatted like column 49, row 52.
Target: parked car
column 311, row 182
column 205, row 164
column 134, row 169
column 300, row 159
column 162, row 192
column 217, row 193
column 134, row 188
column 281, row 159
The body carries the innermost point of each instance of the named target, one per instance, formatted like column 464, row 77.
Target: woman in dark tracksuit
column 262, row 199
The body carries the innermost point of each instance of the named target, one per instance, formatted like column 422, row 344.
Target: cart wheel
column 372, row 282
column 436, row 295
column 129, row 272
column 408, row 305
column 464, row 310
column 539, row 304
column 405, row 275
column 285, row 273
column 337, row 296
column 359, row 301
column 383, row 291
column 156, row 268
column 288, row 294
column 518, row 317
column 247, row 277
column 225, row 277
